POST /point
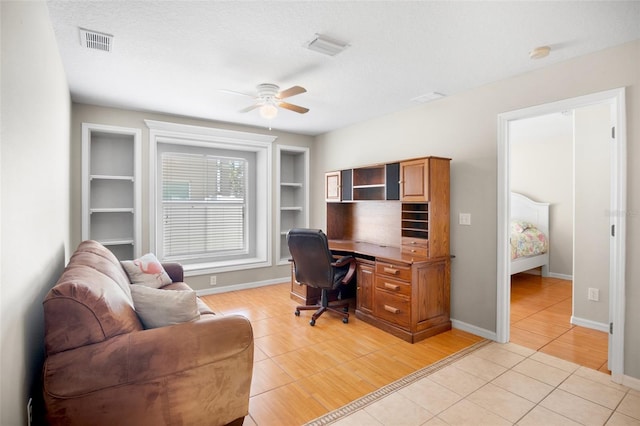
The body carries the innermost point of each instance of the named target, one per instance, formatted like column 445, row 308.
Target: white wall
column 35, row 196
column 463, row 127
column 541, row 167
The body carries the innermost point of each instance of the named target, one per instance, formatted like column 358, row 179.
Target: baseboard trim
column 589, row 324
column 243, row 286
column 631, row 382
column 469, row 328
column 561, row 276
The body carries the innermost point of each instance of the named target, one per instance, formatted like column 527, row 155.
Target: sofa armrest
column 175, row 271
column 146, row 355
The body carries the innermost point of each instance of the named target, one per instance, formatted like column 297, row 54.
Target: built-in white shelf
column 111, row 188
column 293, row 195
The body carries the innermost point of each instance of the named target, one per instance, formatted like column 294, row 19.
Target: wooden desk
column 405, row 295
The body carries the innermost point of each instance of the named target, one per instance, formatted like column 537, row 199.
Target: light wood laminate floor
column 302, row 372
column 540, row 320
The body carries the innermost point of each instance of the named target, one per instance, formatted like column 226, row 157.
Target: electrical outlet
column 594, row 294
column 464, row 219
column 29, row 412
column 213, row 280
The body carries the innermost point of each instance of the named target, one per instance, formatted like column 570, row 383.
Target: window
column 204, row 205
column 211, row 191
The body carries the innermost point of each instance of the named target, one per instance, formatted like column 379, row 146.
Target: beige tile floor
column 506, row 384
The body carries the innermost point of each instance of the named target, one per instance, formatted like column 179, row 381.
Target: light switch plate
column 465, row 219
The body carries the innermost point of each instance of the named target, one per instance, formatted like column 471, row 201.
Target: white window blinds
column 204, row 205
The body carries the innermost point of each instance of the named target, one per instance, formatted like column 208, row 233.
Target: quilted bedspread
column 527, row 240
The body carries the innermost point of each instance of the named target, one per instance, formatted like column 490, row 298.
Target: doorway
column 615, row 99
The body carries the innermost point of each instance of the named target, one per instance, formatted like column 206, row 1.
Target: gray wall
column 119, row 117
column 463, row 127
column 592, row 207
column 35, row 195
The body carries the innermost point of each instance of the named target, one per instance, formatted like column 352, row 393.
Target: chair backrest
column 312, row 258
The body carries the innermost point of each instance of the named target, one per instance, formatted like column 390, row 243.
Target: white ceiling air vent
column 428, row 97
column 96, row 40
column 325, row 45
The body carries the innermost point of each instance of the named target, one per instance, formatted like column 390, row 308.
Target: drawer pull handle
column 413, row 250
column 413, row 242
column 391, row 309
column 390, row 270
column 390, row 286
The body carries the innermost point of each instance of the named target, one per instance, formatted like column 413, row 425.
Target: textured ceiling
column 176, row 56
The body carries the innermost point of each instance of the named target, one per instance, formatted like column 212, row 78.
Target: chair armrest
column 346, row 260
column 175, row 271
column 147, row 355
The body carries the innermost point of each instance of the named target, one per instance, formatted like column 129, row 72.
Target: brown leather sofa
column 103, row 368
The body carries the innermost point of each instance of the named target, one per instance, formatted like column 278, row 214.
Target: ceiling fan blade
column 294, row 108
column 249, row 108
column 291, row 91
column 233, row 92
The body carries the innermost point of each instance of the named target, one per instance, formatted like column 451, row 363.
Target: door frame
column 618, row 205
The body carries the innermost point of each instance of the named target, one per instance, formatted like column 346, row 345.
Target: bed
column 529, row 234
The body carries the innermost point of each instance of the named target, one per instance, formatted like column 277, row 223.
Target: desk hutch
column 394, row 218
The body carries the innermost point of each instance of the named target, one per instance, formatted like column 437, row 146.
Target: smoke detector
column 96, row 40
column 540, row 52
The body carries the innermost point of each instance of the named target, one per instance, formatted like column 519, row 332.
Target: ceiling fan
column 270, row 98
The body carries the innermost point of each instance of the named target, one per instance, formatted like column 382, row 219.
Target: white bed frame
column 537, row 213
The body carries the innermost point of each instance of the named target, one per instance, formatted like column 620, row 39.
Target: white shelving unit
column 292, row 195
column 111, row 188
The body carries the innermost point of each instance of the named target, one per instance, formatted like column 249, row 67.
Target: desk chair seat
column 315, row 266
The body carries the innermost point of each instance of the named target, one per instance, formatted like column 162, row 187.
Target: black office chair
column 315, row 266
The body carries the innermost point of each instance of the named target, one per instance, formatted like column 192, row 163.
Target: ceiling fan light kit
column 268, row 111
column 270, row 98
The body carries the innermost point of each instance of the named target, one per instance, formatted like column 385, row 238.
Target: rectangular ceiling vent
column 428, row 97
column 326, row 46
column 96, row 40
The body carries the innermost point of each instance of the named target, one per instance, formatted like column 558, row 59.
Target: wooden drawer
column 417, row 242
column 417, row 251
column 392, row 307
column 398, row 271
column 416, row 246
column 393, row 286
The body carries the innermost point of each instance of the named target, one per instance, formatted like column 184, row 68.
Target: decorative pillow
column 519, row 226
column 158, row 308
column 146, row 270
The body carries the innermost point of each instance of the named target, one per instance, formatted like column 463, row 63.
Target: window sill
column 227, row 266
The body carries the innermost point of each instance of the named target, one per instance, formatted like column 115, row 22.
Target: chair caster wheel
column 312, row 322
column 297, row 313
column 345, row 320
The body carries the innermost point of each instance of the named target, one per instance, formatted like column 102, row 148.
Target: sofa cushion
column 85, row 307
column 100, row 258
column 159, row 308
column 146, row 270
column 202, row 307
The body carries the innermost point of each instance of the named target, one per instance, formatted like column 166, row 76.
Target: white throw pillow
column 146, row 270
column 158, row 308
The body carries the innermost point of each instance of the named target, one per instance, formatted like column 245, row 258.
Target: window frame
column 208, row 137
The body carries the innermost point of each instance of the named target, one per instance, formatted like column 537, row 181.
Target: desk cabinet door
column 414, row 180
column 366, row 283
column 332, row 186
